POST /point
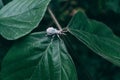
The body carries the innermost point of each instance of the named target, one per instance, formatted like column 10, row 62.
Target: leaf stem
column 54, row 19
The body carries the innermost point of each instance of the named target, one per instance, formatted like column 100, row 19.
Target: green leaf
column 4, row 47
column 1, row 4
column 113, row 5
column 97, row 36
column 20, row 17
column 37, row 57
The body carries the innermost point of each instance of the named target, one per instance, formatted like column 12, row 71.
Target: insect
column 52, row 32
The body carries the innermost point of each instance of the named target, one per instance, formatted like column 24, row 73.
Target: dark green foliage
column 90, row 50
column 6, row 1
column 1, row 4
column 97, row 36
column 37, row 57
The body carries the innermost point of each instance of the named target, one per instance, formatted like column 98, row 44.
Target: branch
column 54, row 19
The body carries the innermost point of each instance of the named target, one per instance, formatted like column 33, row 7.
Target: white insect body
column 52, row 31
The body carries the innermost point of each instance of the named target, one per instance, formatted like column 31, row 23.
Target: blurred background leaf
column 1, row 4
column 113, row 5
column 4, row 47
column 6, row 1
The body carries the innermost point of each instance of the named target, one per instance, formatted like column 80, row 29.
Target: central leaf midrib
column 103, row 37
column 102, row 52
column 41, row 59
column 60, row 61
column 34, row 65
column 87, row 33
column 117, row 43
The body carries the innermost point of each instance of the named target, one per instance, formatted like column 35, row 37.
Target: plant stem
column 54, row 19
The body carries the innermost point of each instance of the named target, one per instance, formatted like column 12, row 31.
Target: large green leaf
column 20, row 17
column 97, row 36
column 37, row 57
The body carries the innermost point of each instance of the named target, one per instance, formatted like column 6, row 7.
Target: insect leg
column 52, row 37
column 59, row 37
